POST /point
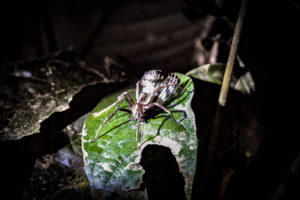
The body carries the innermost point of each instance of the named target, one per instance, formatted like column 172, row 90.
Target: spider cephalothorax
column 151, row 91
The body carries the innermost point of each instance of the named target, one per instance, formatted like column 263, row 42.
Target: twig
column 232, row 54
column 223, row 94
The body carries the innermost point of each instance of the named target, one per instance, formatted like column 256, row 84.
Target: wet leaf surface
column 112, row 162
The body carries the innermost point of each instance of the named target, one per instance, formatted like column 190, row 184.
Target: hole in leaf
column 162, row 178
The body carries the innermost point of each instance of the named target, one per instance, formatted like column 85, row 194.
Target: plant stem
column 232, row 54
column 223, row 93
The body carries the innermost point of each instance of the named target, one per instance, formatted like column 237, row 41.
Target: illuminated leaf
column 112, row 162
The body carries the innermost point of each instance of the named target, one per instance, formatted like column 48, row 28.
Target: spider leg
column 137, row 92
column 137, row 130
column 104, row 122
column 131, row 117
column 142, row 134
column 124, row 96
column 128, row 98
column 152, row 95
column 162, row 107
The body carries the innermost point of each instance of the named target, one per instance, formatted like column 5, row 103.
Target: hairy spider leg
column 142, row 135
column 137, row 91
column 162, row 107
column 124, row 96
column 137, row 131
column 152, row 95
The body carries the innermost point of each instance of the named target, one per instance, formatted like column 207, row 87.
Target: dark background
column 162, row 33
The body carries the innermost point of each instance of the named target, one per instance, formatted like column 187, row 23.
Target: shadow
column 162, row 179
column 180, row 94
column 122, row 115
column 125, row 110
column 166, row 117
column 158, row 130
column 94, row 140
column 153, row 112
column 128, row 112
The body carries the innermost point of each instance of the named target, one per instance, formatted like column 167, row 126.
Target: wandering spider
column 151, row 91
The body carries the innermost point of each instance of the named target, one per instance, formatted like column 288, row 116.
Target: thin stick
column 232, row 54
column 223, row 94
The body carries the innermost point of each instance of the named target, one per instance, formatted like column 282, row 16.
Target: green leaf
column 214, row 73
column 112, row 161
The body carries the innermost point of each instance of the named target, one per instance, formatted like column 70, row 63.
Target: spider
column 151, row 91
